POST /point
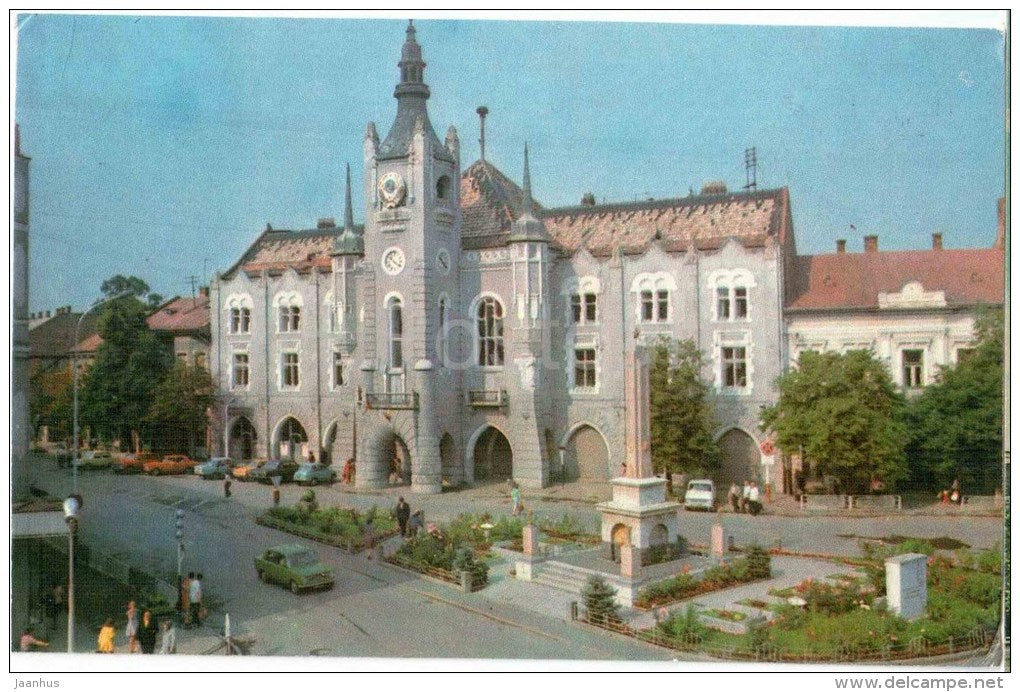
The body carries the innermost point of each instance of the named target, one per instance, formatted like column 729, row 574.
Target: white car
column 700, row 495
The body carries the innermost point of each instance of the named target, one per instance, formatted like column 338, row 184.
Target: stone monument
column 639, row 515
column 906, row 585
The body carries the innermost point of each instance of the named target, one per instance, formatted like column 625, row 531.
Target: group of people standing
column 409, row 523
column 747, row 499
column 141, row 633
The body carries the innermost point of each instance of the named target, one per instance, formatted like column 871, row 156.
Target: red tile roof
column 54, row 337
column 89, row 344
column 181, row 315
column 854, row 280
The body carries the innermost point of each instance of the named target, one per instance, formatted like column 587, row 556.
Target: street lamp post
column 74, row 363
column 71, row 506
column 179, row 534
column 226, row 426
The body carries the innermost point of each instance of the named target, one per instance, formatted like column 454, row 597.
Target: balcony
column 487, row 398
column 392, row 400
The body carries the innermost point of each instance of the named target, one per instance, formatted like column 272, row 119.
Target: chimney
column 871, row 243
column 841, row 246
column 326, row 222
column 588, row 199
column 203, row 291
column 936, row 241
column 1000, row 231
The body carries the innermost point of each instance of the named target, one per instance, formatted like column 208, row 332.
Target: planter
column 317, row 536
column 435, row 572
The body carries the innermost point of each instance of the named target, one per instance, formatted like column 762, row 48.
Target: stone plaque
column 906, row 585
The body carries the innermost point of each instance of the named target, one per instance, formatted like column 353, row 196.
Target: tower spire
column 527, row 227
column 348, row 208
column 528, row 206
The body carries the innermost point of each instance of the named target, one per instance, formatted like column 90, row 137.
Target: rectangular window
column 240, row 320
column 590, row 312
column 240, row 370
column 662, row 304
column 182, row 356
column 913, row 369
column 291, row 370
column 290, row 318
column 734, row 367
column 584, row 367
column 338, row 370
column 647, row 306
column 740, row 303
column 575, row 308
column 723, row 303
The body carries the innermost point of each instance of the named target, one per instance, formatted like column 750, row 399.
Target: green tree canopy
column 121, row 285
column 844, row 414
column 956, row 423
column 116, row 392
column 177, row 418
column 682, row 415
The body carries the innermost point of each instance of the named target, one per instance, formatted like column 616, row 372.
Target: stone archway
column 448, row 457
column 492, row 456
column 586, row 456
column 388, row 447
column 290, row 441
column 620, row 537
column 740, row 458
column 328, row 452
column 242, row 439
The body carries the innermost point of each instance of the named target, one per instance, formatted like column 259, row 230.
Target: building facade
column 465, row 333
column 21, row 431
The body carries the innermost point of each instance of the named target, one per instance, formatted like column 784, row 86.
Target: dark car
column 284, row 468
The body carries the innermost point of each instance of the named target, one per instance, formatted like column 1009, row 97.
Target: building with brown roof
column 466, row 333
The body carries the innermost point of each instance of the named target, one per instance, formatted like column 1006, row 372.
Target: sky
column 162, row 146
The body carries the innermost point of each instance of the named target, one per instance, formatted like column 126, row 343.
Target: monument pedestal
column 638, row 515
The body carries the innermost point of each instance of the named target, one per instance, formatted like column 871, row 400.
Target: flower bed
column 569, row 530
column 755, row 566
column 340, row 527
column 436, row 553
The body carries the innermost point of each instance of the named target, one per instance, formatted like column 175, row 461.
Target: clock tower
column 412, row 250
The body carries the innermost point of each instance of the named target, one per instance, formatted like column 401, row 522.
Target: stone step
column 568, row 585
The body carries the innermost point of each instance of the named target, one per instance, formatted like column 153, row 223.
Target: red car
column 133, row 463
column 170, row 464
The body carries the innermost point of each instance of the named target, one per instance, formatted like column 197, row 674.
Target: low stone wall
column 989, row 502
column 877, row 502
column 824, row 502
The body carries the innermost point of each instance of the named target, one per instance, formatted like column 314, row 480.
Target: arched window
column 443, row 187
column 490, row 332
column 395, row 309
column 239, row 306
column 288, row 305
column 441, row 337
column 731, row 294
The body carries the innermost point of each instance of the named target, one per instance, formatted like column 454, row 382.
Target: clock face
column 392, row 190
column 443, row 262
column 393, row 261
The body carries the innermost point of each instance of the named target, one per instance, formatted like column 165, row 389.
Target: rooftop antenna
column 482, row 111
column 751, row 166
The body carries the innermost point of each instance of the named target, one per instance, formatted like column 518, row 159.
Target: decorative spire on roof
column 527, row 227
column 350, row 241
column 412, row 67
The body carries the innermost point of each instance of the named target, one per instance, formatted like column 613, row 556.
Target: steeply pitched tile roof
column 54, row 337
column 854, row 280
column 276, row 250
column 181, row 315
column 489, row 204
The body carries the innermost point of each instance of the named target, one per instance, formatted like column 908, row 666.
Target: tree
column 117, row 391
column 682, row 415
column 842, row 412
column 177, row 419
column 956, row 423
column 121, row 285
column 50, row 402
column 600, row 600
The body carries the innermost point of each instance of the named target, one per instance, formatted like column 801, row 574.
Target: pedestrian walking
column 417, row 522
column 276, row 497
column 147, row 633
column 104, row 644
column 184, row 607
column 745, row 496
column 754, row 500
column 348, row 475
column 954, row 496
column 131, row 630
column 403, row 514
column 168, row 641
column 734, row 496
column 226, row 486
column 369, row 536
column 515, row 499
column 195, row 599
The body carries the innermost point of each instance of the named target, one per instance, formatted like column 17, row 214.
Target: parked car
column 284, row 468
column 295, row 566
column 169, row 465
column 700, row 495
column 244, row 471
column 217, row 467
column 95, row 459
column 134, row 463
column 313, row 474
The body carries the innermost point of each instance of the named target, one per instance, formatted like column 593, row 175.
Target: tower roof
column 411, row 93
column 349, row 242
column 527, row 227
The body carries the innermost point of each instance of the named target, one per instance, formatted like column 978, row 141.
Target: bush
column 686, row 627
column 832, row 600
column 789, row 617
column 600, row 601
column 990, row 560
column 759, row 563
column 464, row 561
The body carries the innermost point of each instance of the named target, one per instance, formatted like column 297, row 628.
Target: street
column 377, row 610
